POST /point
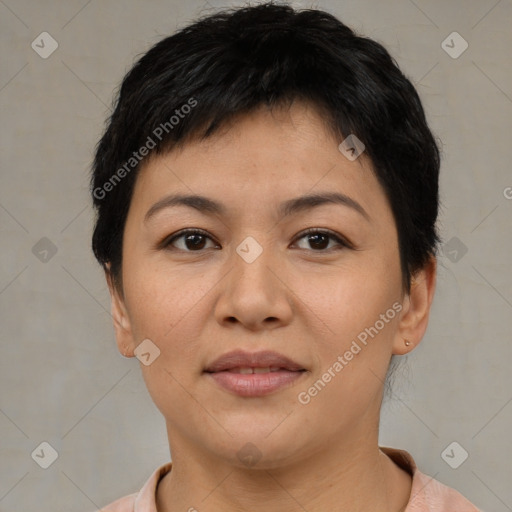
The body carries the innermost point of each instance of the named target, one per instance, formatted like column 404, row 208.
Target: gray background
column 61, row 378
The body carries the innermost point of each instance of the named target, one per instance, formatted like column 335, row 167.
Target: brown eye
column 319, row 240
column 189, row 241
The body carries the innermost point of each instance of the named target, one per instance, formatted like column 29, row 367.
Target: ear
column 122, row 326
column 416, row 309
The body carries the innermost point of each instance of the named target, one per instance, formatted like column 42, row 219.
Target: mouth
column 247, row 370
column 254, row 374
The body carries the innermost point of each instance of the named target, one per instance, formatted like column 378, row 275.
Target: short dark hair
column 234, row 61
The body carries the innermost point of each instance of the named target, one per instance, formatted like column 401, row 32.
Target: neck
column 349, row 476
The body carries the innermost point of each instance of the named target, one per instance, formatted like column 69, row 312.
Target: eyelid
column 166, row 242
column 341, row 240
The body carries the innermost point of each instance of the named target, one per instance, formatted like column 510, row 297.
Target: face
column 316, row 283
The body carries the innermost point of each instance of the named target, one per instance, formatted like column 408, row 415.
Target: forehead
column 260, row 157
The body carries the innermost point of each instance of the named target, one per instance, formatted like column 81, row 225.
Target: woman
column 266, row 195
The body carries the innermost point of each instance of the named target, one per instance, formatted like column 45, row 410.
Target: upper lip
column 241, row 359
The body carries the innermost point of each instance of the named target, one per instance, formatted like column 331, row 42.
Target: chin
column 257, row 444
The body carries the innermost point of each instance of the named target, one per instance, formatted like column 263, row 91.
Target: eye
column 195, row 240
column 319, row 240
column 189, row 240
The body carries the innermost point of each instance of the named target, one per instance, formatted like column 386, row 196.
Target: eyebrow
column 287, row 208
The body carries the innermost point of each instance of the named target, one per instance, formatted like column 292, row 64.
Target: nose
column 255, row 294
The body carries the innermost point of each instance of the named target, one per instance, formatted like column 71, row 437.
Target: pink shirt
column 427, row 494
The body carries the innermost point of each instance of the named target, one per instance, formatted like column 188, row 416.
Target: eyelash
column 342, row 242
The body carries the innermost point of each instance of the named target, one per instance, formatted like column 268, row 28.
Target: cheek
column 342, row 301
column 161, row 301
column 171, row 312
column 353, row 319
column 352, row 360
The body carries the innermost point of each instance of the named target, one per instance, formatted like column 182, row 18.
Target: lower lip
column 255, row 384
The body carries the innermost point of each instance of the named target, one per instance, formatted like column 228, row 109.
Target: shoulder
column 144, row 500
column 427, row 493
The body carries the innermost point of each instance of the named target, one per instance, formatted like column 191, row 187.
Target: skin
column 304, row 302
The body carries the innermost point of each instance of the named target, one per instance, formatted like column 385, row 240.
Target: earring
column 407, row 343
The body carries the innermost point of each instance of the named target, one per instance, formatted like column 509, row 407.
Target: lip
column 225, row 372
column 242, row 359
